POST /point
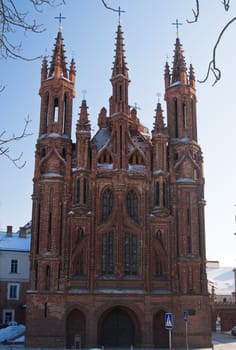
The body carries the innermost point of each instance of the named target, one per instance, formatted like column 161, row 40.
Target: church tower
column 118, row 237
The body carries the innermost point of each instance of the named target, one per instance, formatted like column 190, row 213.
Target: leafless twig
column 226, row 4
column 111, row 8
column 212, row 65
column 195, row 13
column 5, row 149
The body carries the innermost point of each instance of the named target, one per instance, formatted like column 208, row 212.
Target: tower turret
column 83, row 134
column 57, row 92
column 180, row 96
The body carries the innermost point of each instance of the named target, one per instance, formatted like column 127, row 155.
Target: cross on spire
column 60, row 17
column 119, row 13
column 177, row 24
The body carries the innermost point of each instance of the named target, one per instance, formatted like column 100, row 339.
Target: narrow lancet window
column 56, row 110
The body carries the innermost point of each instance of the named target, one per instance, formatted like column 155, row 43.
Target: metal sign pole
column 186, row 329
column 170, row 340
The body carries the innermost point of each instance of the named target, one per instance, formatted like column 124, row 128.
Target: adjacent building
column 118, row 236
column 14, row 273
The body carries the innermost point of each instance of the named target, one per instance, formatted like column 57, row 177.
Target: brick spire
column 58, row 64
column 179, row 70
column 120, row 78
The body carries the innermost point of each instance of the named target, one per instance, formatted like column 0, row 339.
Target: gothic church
column 118, row 237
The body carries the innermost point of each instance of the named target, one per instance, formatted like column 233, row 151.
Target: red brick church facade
column 118, row 235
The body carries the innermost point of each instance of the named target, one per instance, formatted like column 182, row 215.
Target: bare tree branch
column 212, row 65
column 195, row 13
column 226, row 4
column 12, row 19
column 5, row 149
column 111, row 8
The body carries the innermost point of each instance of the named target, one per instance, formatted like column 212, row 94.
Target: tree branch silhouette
column 212, row 67
column 5, row 149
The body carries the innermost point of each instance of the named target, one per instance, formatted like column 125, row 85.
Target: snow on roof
column 15, row 242
column 102, row 136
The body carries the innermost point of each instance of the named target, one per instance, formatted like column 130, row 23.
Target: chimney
column 22, row 233
column 9, row 231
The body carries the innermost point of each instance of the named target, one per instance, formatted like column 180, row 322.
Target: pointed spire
column 167, row 75
column 83, row 122
column 191, row 76
column 72, row 71
column 119, row 66
column 120, row 78
column 159, row 119
column 58, row 63
column 44, row 69
column 179, row 71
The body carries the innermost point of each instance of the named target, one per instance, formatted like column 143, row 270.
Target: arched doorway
column 75, row 330
column 117, row 329
column 161, row 336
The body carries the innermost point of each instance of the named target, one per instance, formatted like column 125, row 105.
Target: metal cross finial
column 177, row 24
column 136, row 106
column 60, row 17
column 119, row 13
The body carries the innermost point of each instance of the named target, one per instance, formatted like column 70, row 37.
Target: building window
column 56, row 110
column 160, row 194
column 79, row 268
column 82, row 189
column 78, row 191
column 8, row 315
column 80, row 235
column 132, row 205
column 14, row 266
column 157, row 195
column 13, row 291
column 107, row 204
column 130, row 254
column 158, row 266
column 107, row 253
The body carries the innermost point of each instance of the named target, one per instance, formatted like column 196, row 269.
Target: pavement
column 220, row 341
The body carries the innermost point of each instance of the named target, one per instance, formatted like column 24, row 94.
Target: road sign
column 169, row 321
column 186, row 315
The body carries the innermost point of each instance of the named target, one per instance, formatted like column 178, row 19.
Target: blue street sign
column 169, row 321
column 186, row 315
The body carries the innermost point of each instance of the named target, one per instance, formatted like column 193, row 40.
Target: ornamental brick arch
column 119, row 327
column 75, row 329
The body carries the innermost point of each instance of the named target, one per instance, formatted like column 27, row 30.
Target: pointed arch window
column 78, row 191
column 176, row 117
column 157, row 195
column 184, row 111
column 65, row 113
column 130, row 254
column 107, row 253
column 160, row 194
column 79, row 267
column 107, row 204
column 56, row 110
column 82, row 191
column 132, row 205
column 46, row 109
column 158, row 266
column 80, row 235
column 47, row 277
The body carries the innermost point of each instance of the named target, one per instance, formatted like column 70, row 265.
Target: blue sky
column 89, row 32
